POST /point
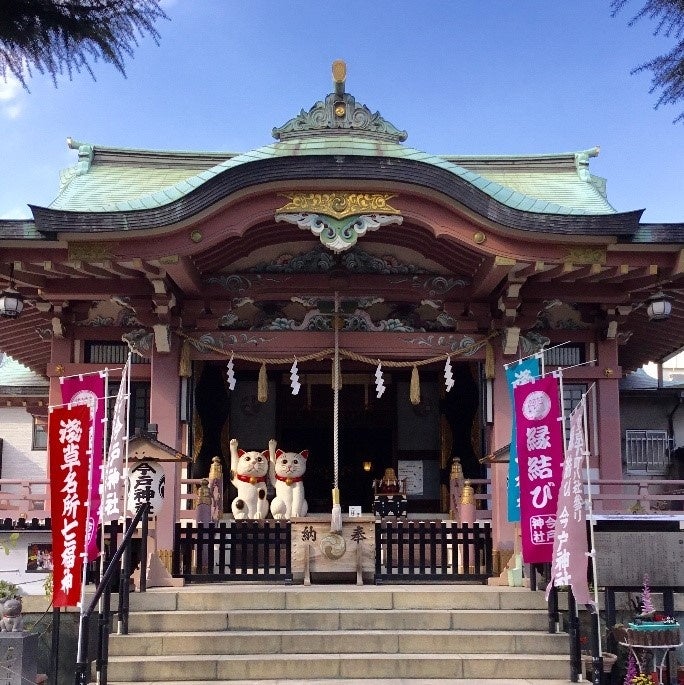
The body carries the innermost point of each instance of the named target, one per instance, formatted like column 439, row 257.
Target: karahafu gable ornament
column 230, row 374
column 294, row 378
column 448, row 375
column 379, row 382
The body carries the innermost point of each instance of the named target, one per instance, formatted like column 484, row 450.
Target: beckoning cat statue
column 12, row 621
column 248, row 473
column 286, row 471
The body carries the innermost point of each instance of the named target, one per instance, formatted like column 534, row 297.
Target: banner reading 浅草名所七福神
column 68, row 439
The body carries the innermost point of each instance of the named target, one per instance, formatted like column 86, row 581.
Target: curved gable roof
column 117, row 181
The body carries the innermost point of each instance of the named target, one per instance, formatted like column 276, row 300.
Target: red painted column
column 608, row 410
column 164, row 399
column 60, row 353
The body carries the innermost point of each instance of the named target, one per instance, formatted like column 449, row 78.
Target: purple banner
column 89, row 390
column 539, row 438
column 570, row 550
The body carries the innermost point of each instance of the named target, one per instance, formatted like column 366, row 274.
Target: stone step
column 277, row 597
column 338, row 641
column 345, row 619
column 212, row 668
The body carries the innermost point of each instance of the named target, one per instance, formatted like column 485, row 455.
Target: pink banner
column 569, row 565
column 539, row 440
column 89, row 390
column 68, row 429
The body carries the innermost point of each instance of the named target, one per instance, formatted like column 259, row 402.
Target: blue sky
column 461, row 76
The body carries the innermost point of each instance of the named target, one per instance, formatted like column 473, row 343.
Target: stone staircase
column 392, row 633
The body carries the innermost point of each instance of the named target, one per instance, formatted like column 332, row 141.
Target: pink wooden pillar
column 60, row 353
column 502, row 531
column 164, row 399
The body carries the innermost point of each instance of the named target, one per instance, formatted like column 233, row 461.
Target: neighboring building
column 652, row 418
column 23, row 421
column 196, row 258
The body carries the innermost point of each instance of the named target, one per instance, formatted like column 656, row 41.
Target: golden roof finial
column 339, row 72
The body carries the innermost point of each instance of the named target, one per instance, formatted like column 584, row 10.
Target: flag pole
column 590, row 507
column 81, row 655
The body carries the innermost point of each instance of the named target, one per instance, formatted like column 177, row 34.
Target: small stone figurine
column 12, row 621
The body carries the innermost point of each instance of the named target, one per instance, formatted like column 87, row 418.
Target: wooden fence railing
column 432, row 550
column 237, row 550
column 27, row 499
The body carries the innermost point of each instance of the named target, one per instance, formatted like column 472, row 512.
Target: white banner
column 112, row 478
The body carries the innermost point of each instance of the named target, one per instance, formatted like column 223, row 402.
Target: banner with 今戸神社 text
column 570, row 548
column 113, row 471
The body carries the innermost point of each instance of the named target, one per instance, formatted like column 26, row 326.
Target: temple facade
column 237, row 278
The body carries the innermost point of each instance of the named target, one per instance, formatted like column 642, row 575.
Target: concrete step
column 388, row 634
column 277, row 597
column 336, row 619
column 212, row 668
column 338, row 641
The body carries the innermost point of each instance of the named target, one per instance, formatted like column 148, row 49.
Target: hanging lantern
column 658, row 307
column 11, row 301
column 146, row 482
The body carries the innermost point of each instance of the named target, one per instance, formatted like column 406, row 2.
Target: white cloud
column 11, row 97
column 17, row 212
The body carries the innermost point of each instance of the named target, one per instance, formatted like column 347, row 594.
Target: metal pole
column 54, row 655
column 574, row 635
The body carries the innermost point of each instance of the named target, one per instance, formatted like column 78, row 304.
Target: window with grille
column 569, row 354
column 110, row 353
column 139, row 405
column 39, row 440
column 572, row 396
column 647, row 451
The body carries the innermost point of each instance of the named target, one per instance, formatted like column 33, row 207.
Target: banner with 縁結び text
column 539, row 439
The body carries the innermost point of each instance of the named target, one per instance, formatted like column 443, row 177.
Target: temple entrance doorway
column 417, row 441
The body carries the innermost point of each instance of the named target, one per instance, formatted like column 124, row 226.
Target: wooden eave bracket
column 511, row 338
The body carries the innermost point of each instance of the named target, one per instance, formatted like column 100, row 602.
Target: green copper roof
column 109, row 179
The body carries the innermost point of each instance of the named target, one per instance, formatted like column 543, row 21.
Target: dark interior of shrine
column 374, row 433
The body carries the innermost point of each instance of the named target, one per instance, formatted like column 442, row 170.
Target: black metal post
column 81, row 673
column 103, row 644
column 596, row 656
column 124, row 591
column 143, row 544
column 574, row 635
column 54, row 656
column 552, row 608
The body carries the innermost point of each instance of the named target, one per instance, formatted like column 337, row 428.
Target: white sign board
column 412, row 471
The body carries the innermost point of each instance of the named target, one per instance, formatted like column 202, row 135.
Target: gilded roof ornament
column 340, row 113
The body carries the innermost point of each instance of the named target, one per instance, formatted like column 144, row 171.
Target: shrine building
column 422, row 266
